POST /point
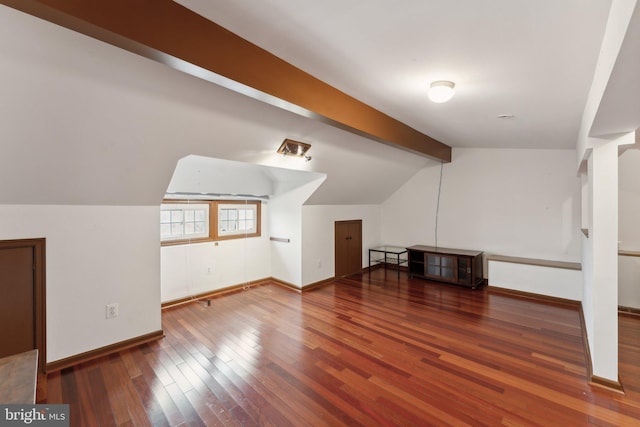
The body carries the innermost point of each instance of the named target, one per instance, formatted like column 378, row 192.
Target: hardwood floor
column 368, row 350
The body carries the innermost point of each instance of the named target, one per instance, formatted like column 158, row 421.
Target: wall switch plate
column 111, row 310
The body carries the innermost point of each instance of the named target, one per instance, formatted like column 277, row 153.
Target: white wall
column 629, row 200
column 629, row 281
column 505, row 201
column 286, row 223
column 629, row 212
column 318, row 233
column 629, row 228
column 95, row 255
column 555, row 282
column 600, row 259
column 202, row 267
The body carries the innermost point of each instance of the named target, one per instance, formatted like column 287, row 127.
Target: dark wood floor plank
column 205, row 412
column 80, row 402
column 243, row 409
column 152, row 406
column 179, row 398
column 170, row 412
column 366, row 350
column 116, row 384
column 102, row 408
column 133, row 369
column 54, row 388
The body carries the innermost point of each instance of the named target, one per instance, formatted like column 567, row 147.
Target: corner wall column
column 600, row 258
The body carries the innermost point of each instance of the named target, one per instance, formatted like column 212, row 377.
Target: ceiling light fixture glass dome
column 441, row 91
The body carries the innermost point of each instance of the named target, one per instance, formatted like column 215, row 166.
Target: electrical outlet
column 111, row 310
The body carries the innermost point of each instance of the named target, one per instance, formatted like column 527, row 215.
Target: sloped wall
column 95, row 255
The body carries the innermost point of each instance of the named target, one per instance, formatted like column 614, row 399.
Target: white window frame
column 224, row 229
column 185, row 208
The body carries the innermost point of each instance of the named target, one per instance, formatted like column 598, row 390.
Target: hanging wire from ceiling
column 438, row 205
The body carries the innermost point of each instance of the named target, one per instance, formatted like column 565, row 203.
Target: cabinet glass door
column 441, row 266
column 433, row 265
column 464, row 269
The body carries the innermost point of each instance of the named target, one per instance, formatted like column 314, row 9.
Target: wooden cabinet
column 457, row 266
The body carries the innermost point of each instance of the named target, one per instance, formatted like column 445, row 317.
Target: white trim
column 186, row 207
column 251, row 207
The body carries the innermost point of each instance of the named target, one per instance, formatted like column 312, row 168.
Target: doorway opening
column 22, row 306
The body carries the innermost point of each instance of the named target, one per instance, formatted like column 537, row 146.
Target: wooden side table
column 18, row 378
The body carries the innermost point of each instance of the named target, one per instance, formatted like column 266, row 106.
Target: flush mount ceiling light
column 289, row 147
column 441, row 91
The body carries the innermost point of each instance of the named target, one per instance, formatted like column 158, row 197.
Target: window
column 236, row 219
column 183, row 222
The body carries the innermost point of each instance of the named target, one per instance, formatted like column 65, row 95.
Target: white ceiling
column 84, row 122
column 530, row 58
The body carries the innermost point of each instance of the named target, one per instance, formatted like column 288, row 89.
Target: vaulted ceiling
column 107, row 126
column 533, row 59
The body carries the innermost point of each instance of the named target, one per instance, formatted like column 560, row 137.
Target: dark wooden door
column 22, row 298
column 348, row 247
column 17, row 305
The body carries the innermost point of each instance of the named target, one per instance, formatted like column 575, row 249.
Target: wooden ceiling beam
column 165, row 31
